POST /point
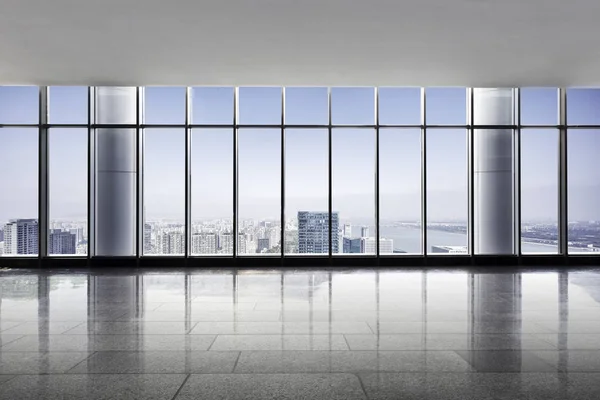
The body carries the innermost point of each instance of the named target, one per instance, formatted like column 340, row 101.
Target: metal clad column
column 493, row 171
column 115, row 171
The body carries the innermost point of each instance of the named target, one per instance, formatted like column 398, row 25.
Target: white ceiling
column 300, row 42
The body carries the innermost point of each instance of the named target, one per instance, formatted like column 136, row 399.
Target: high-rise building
column 78, row 232
column 1, row 235
column 21, row 236
column 347, row 231
column 62, row 242
column 147, row 239
column 449, row 249
column 226, row 243
column 171, row 243
column 313, row 232
column 204, row 243
column 262, row 245
column 369, row 245
column 351, row 245
column 364, row 231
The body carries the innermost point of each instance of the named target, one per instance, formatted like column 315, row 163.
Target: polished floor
column 304, row 334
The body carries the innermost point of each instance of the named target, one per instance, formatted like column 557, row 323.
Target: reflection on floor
column 387, row 334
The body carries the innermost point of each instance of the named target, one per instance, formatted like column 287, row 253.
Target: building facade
column 313, row 232
column 21, row 237
column 62, row 242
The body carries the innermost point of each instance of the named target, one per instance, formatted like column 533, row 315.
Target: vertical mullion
column 139, row 155
column 471, row 171
column 423, row 173
column 563, row 221
column 235, row 171
column 517, row 177
column 377, row 235
column 282, row 233
column 91, row 179
column 188, row 184
column 330, row 177
column 43, row 174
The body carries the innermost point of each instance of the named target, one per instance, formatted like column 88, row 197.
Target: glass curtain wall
column 271, row 171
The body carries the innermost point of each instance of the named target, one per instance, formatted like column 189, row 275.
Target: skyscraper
column 226, row 243
column 62, row 243
column 347, row 231
column 364, row 231
column 263, row 245
column 352, row 245
column 171, row 243
column 369, row 245
column 147, row 239
column 78, row 232
column 21, row 236
column 313, row 232
column 204, row 243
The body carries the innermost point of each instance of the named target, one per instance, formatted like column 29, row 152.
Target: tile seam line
column 80, row 362
column 181, row 386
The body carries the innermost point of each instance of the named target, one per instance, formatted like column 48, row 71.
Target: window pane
column 446, row 106
column 539, row 106
column 400, row 191
column 164, row 191
column 353, row 163
column 259, row 191
column 259, row 105
column 583, row 190
column 19, row 104
column 19, row 199
column 212, row 191
column 353, row 105
column 306, row 191
column 447, row 195
column 68, row 105
column 212, row 105
column 305, row 106
column 583, row 106
column 164, row 105
column 67, row 187
column 399, row 106
column 539, row 191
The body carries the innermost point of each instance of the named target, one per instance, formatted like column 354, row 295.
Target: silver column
column 493, row 172
column 115, row 169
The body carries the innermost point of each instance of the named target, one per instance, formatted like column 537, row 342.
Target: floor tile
column 6, row 378
column 275, row 386
column 111, row 343
column 158, row 362
column 4, row 325
column 348, row 361
column 279, row 342
column 131, row 328
column 39, row 363
column 571, row 326
column 457, row 386
column 92, row 387
column 582, row 386
column 447, row 342
column 506, row 361
column 41, row 327
column 280, row 328
column 572, row 360
column 6, row 339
